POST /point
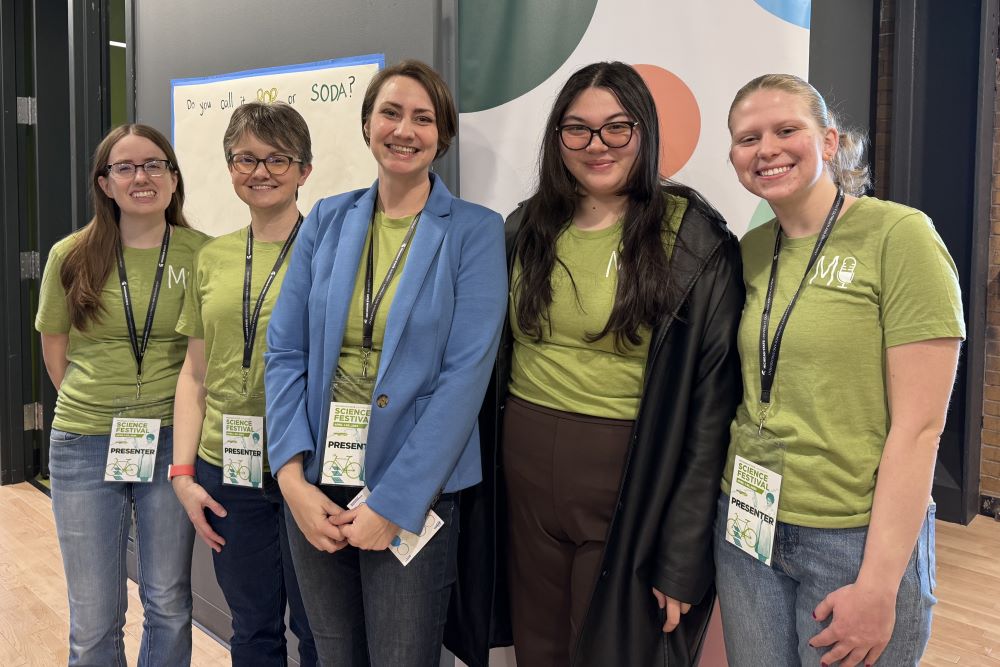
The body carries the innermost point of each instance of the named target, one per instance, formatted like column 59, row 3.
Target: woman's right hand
column 312, row 510
column 196, row 500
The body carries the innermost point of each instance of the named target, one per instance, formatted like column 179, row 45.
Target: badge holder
column 243, row 442
column 347, row 430
column 754, row 494
column 133, row 441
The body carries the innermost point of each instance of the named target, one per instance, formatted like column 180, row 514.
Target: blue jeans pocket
column 57, row 437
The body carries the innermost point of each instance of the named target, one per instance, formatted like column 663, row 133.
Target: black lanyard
column 769, row 357
column 250, row 321
column 139, row 349
column 370, row 305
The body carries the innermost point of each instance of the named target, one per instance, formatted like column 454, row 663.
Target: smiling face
column 778, row 149
column 402, row 130
column 140, row 195
column 262, row 190
column 599, row 171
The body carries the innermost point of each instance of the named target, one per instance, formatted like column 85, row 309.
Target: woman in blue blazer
column 389, row 320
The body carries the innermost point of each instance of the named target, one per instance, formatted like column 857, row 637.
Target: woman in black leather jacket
column 615, row 386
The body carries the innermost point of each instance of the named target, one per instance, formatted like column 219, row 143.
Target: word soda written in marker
column 331, row 92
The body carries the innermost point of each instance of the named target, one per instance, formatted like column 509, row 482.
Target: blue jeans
column 247, row 570
column 767, row 611
column 92, row 520
column 365, row 607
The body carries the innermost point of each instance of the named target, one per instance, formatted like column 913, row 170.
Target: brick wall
column 989, row 481
column 881, row 139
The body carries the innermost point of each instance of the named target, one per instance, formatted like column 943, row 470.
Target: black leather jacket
column 661, row 534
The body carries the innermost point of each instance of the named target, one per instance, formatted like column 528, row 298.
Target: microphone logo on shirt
column 834, row 269
column 846, row 273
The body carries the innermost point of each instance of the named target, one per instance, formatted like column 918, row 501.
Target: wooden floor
column 966, row 628
column 34, row 612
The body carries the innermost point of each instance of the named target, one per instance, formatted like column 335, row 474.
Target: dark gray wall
column 194, row 38
column 842, row 55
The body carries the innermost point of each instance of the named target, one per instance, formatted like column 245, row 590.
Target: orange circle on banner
column 680, row 117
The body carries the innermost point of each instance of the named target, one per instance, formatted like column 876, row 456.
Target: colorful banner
column 694, row 56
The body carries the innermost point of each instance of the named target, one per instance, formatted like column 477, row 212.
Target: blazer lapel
column 430, row 233
column 343, row 273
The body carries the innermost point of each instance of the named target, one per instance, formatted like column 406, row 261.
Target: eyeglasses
column 276, row 165
column 615, row 134
column 126, row 170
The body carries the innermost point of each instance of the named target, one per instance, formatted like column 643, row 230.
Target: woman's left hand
column 673, row 607
column 366, row 529
column 863, row 618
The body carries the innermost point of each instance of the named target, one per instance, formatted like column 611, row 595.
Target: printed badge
column 132, row 450
column 406, row 545
column 242, row 450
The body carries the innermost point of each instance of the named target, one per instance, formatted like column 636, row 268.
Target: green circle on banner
column 508, row 48
column 761, row 214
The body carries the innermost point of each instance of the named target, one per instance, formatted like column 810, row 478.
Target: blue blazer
column 441, row 338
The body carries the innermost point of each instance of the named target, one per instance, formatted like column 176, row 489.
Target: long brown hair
column 88, row 263
column 646, row 292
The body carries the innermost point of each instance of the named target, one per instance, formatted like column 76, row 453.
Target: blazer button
column 382, row 401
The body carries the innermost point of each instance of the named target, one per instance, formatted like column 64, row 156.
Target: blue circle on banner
column 793, row 11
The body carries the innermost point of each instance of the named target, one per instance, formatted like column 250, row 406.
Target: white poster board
column 328, row 94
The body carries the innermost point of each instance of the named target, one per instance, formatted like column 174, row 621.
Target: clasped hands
column 364, row 528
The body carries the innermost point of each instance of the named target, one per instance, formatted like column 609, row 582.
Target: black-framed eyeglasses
column 615, row 134
column 126, row 170
column 276, row 165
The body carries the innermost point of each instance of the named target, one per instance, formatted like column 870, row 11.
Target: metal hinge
column 27, row 111
column 31, row 265
column 33, row 417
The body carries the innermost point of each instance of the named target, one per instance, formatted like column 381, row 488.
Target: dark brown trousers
column 563, row 471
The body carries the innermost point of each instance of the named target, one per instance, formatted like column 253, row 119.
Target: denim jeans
column 365, row 607
column 767, row 611
column 254, row 570
column 92, row 520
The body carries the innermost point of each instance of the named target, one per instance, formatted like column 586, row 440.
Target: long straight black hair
column 645, row 290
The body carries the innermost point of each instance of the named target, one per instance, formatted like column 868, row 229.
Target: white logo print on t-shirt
column 842, row 271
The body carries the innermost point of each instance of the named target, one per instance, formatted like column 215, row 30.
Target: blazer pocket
column 420, row 405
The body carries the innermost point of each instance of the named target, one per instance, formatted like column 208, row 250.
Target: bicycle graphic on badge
column 742, row 533
column 338, row 469
column 119, row 468
column 235, row 470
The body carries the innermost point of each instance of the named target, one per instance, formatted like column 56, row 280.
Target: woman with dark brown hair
column 110, row 349
column 617, row 381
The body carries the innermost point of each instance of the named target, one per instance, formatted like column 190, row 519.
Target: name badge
column 132, row 450
column 242, row 450
column 406, row 545
column 346, row 440
column 753, row 509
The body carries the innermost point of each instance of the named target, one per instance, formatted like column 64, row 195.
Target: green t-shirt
column 389, row 235
column 213, row 311
column 564, row 370
column 100, row 379
column 884, row 278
